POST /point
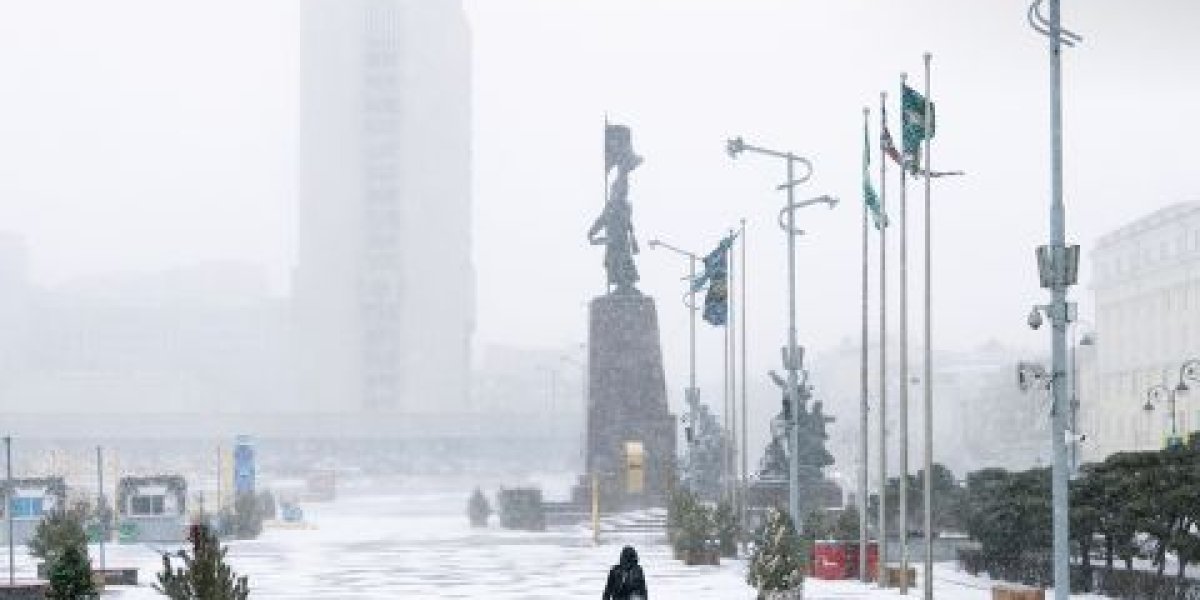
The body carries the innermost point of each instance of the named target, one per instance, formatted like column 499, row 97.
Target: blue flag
column 716, row 277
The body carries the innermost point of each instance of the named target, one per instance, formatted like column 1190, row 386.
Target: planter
column 27, row 590
column 109, row 576
column 118, row 576
column 707, row 556
column 792, row 594
column 98, row 581
column 892, row 575
column 1017, row 592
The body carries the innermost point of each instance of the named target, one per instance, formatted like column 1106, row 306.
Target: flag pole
column 903, row 518
column 882, row 522
column 604, row 204
column 9, row 494
column 745, row 414
column 100, row 504
column 862, row 412
column 733, row 416
column 725, row 395
column 928, row 376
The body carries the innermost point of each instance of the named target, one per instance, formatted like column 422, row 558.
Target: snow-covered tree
column 204, row 574
column 778, row 560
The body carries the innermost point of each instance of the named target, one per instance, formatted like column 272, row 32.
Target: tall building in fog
column 384, row 285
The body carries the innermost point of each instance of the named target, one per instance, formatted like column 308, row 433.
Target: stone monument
column 630, row 432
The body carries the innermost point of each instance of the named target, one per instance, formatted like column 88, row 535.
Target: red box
column 839, row 560
column 829, row 560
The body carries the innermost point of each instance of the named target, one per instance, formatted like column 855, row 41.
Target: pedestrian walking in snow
column 626, row 580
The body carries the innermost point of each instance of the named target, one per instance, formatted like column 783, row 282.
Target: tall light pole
column 792, row 358
column 1057, row 263
column 692, row 393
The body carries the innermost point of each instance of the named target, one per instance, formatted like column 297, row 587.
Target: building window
column 147, row 505
column 26, row 507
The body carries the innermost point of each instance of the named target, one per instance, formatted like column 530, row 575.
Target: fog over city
column 355, row 235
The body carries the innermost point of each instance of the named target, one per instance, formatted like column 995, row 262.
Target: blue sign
column 243, row 466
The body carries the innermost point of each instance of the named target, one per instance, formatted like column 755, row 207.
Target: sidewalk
column 949, row 583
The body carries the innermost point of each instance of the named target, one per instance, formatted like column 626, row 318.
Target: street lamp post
column 1056, row 263
column 792, row 358
column 1155, row 395
column 691, row 394
column 1189, row 370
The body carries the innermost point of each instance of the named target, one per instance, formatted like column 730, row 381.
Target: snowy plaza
column 420, row 546
column 379, row 299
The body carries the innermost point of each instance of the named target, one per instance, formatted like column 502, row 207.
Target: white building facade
column 1146, row 286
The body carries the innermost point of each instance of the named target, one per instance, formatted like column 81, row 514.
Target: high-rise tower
column 384, row 286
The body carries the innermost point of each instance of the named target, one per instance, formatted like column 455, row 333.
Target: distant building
column 384, row 286
column 94, row 355
column 1146, row 287
column 981, row 418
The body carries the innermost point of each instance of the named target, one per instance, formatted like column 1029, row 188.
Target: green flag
column 913, row 106
column 869, row 197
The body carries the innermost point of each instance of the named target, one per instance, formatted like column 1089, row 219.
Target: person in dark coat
column 626, row 580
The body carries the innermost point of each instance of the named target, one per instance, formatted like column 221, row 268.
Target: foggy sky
column 139, row 135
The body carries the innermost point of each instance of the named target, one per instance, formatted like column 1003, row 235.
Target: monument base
column 630, row 431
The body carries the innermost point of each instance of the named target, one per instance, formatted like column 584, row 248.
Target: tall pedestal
column 630, row 432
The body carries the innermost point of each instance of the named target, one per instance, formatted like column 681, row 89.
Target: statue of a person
column 614, row 227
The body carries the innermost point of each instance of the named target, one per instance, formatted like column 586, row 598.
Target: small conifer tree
column 204, row 574
column 777, row 563
column 71, row 574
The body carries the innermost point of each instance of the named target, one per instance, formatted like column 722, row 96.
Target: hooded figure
column 626, row 580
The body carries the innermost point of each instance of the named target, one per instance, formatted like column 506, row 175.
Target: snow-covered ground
column 419, row 546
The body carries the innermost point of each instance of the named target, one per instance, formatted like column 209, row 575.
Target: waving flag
column 869, row 196
column 716, row 277
column 913, row 111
